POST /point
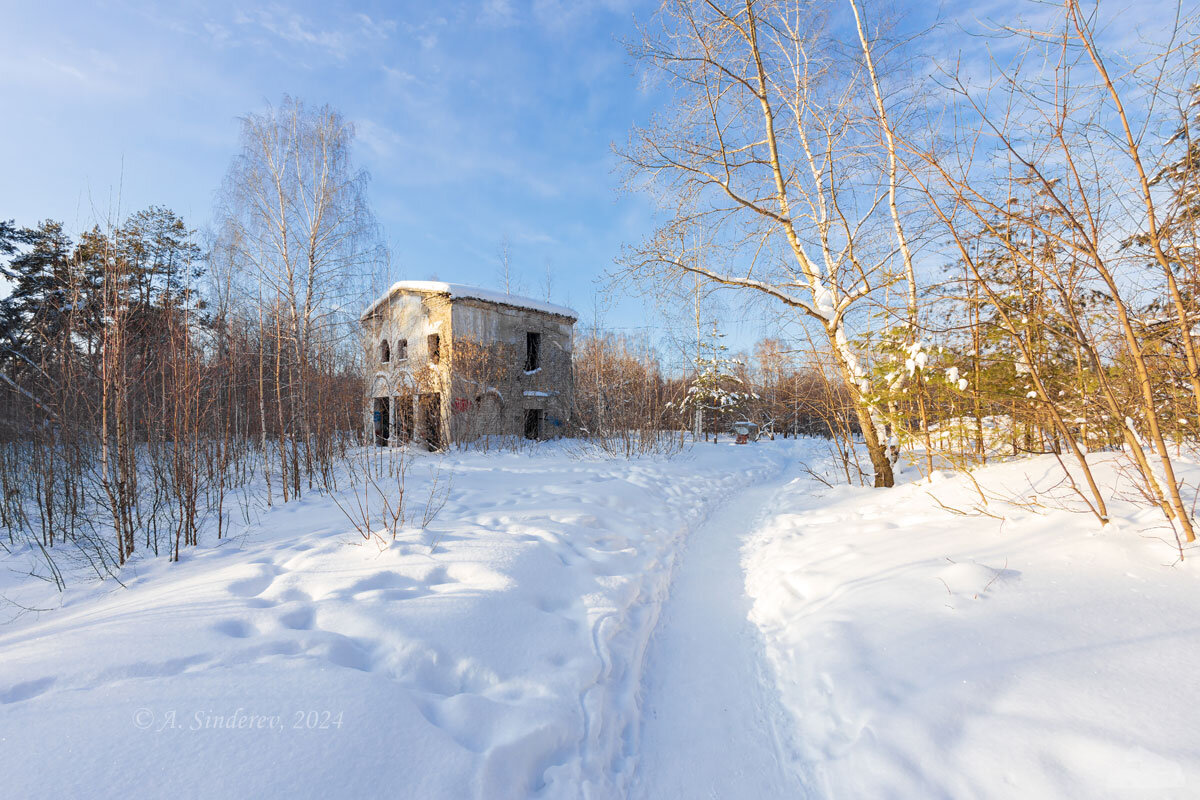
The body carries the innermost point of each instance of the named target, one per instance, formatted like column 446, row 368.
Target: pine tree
column 9, row 236
column 32, row 316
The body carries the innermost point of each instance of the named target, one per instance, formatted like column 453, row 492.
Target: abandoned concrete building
column 450, row 363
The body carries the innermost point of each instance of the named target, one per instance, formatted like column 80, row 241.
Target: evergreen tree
column 55, row 311
column 160, row 258
column 32, row 316
column 9, row 236
column 716, row 391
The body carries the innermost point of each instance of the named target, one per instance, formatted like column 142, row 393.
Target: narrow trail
column 712, row 723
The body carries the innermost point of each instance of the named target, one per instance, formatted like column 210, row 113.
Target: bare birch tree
column 772, row 147
column 295, row 216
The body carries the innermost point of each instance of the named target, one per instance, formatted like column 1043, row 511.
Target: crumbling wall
column 410, row 371
column 481, row 381
column 494, row 400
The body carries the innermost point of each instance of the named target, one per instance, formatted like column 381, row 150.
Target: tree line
column 629, row 404
column 976, row 266
column 155, row 383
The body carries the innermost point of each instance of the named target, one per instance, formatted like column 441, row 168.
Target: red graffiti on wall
column 460, row 404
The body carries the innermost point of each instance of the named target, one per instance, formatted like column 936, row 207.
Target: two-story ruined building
column 448, row 362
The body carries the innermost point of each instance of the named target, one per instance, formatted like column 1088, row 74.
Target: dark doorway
column 533, row 423
column 533, row 351
column 404, row 418
column 381, row 421
column 431, row 419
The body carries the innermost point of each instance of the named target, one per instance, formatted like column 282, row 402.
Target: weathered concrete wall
column 409, row 373
column 492, row 397
column 482, row 385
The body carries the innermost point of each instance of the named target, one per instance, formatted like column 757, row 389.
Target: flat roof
column 459, row 291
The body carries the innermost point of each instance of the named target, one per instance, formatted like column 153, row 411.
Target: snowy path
column 711, row 718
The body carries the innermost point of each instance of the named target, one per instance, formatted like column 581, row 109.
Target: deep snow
column 505, row 664
column 1030, row 653
column 715, row 625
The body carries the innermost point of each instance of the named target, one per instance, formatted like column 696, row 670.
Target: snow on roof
column 457, row 291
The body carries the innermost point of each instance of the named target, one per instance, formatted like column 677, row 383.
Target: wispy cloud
column 445, row 156
column 499, row 13
column 220, row 35
column 84, row 69
column 397, row 78
column 295, row 28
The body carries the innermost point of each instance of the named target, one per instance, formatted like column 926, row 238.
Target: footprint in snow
column 235, row 628
column 298, row 619
column 347, row 652
column 25, row 691
column 255, row 584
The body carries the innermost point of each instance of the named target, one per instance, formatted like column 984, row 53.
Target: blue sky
column 477, row 120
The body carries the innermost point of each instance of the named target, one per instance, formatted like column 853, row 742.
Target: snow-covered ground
column 715, row 625
column 712, row 723
column 924, row 653
column 506, row 663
